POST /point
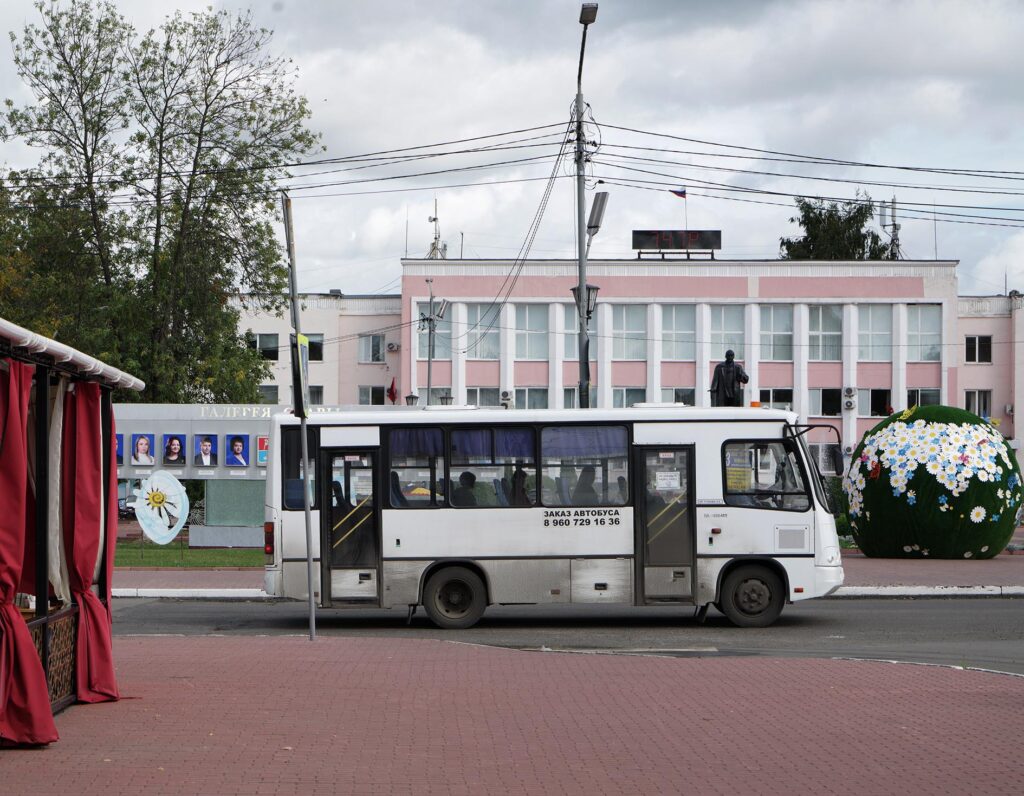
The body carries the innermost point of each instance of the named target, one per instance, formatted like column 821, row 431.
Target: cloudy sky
column 702, row 90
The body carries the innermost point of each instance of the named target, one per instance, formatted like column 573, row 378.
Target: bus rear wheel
column 752, row 596
column 454, row 598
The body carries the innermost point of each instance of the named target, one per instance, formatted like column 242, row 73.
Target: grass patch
column 137, row 553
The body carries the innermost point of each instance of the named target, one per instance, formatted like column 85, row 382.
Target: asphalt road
column 983, row 633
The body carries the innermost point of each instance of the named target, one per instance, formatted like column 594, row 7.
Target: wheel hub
column 754, row 597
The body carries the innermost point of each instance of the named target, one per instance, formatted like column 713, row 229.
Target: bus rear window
column 291, row 468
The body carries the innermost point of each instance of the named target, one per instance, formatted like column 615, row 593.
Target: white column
column 507, row 340
column 556, row 347
column 900, row 338
column 801, row 354
column 703, row 379
column 1016, row 357
column 654, row 349
column 604, row 356
column 752, row 351
column 851, row 336
column 951, row 346
column 459, row 342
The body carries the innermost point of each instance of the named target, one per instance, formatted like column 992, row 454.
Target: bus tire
column 752, row 596
column 454, row 598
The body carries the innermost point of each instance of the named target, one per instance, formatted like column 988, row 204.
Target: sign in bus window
column 585, row 466
column 416, row 467
column 763, row 474
column 493, row 467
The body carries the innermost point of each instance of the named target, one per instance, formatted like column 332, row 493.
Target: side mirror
column 837, row 460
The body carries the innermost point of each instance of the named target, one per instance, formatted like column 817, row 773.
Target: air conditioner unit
column 508, row 399
column 849, row 392
column 849, row 403
column 394, row 347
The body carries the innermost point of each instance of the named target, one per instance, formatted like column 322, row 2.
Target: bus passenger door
column 350, row 529
column 665, row 524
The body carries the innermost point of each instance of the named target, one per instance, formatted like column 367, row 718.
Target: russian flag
column 680, row 192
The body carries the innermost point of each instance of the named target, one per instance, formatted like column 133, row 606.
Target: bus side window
column 763, row 474
column 291, row 468
column 417, row 467
column 585, row 466
column 493, row 467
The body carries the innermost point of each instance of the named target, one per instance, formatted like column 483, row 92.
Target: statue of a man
column 727, row 383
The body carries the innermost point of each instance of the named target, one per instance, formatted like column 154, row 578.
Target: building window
column 924, row 333
column 268, row 393
column 777, row 332
column 777, row 398
column 679, row 395
column 629, row 331
column 979, row 402
column 372, row 396
column 316, row 347
column 316, row 395
column 726, row 330
column 442, row 334
column 627, row 396
column 436, row 394
column 483, row 396
column 826, row 333
column 679, row 332
column 874, row 403
column 923, row 396
column 875, row 322
column 531, row 331
column 371, row 348
column 266, row 344
column 569, row 395
column 979, row 348
column 571, row 351
column 825, row 402
column 482, row 337
column 532, row 398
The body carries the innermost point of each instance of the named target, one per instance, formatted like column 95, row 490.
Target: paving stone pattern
column 283, row 715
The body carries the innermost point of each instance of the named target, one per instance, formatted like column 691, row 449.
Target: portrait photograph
column 175, row 452
column 236, row 452
column 205, row 450
column 142, row 450
column 120, row 449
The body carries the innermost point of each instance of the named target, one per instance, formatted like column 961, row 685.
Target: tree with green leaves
column 835, row 231
column 166, row 150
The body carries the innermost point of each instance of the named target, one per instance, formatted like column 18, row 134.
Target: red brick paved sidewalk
column 282, row 715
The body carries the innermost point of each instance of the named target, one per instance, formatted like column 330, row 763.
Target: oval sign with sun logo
column 161, row 507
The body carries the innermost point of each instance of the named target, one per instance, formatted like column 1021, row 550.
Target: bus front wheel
column 752, row 596
column 454, row 598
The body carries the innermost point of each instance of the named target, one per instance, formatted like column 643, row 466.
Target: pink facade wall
column 775, row 374
column 630, row 374
column 678, row 374
column 482, row 373
column 924, row 374
column 442, row 373
column 531, row 374
column 824, row 374
column 894, row 288
column 874, row 374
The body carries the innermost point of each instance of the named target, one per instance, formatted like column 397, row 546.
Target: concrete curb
column 844, row 592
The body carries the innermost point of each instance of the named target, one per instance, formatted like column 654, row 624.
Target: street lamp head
column 443, row 308
column 597, row 212
column 591, row 298
column 588, row 13
column 411, row 399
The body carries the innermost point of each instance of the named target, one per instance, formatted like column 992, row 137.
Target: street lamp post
column 430, row 321
column 588, row 13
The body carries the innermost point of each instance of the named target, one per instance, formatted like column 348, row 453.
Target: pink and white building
column 840, row 342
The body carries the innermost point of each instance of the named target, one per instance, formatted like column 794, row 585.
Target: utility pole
column 429, row 322
column 286, row 209
column 588, row 13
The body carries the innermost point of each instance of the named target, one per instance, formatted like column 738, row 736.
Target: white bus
column 457, row 508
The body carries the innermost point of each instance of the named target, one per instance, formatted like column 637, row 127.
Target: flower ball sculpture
column 935, row 482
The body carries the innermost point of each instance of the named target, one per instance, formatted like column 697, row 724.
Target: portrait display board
column 175, row 452
column 236, row 450
column 205, row 450
column 143, row 450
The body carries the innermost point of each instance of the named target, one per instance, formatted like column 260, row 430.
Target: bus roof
column 469, row 415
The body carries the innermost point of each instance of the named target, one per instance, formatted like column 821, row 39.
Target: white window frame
column 473, row 396
column 314, row 338
column 671, row 395
column 629, row 332
column 532, row 332
column 972, row 354
column 571, row 321
column 924, row 332
column 775, row 337
column 524, row 396
column 728, row 330
column 442, row 334
column 483, row 339
column 268, row 344
column 367, row 393
column 874, row 342
column 366, row 349
column 815, row 407
column 623, row 397
column 825, row 339
column 775, row 399
column 679, row 332
column 979, row 402
column 864, row 401
column 265, row 392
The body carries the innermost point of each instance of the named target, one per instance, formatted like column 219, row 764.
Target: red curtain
column 82, row 488
column 25, row 715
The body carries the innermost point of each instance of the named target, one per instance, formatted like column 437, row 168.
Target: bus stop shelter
column 58, row 520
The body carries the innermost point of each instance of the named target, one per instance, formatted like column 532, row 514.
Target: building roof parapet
column 986, row 306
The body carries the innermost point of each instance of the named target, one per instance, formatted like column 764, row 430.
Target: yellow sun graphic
column 155, row 499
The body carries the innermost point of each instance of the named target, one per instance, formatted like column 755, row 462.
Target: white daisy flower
column 977, row 514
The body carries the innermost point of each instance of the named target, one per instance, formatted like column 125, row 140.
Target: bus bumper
column 829, row 579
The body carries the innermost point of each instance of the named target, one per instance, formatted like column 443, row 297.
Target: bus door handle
column 364, row 576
